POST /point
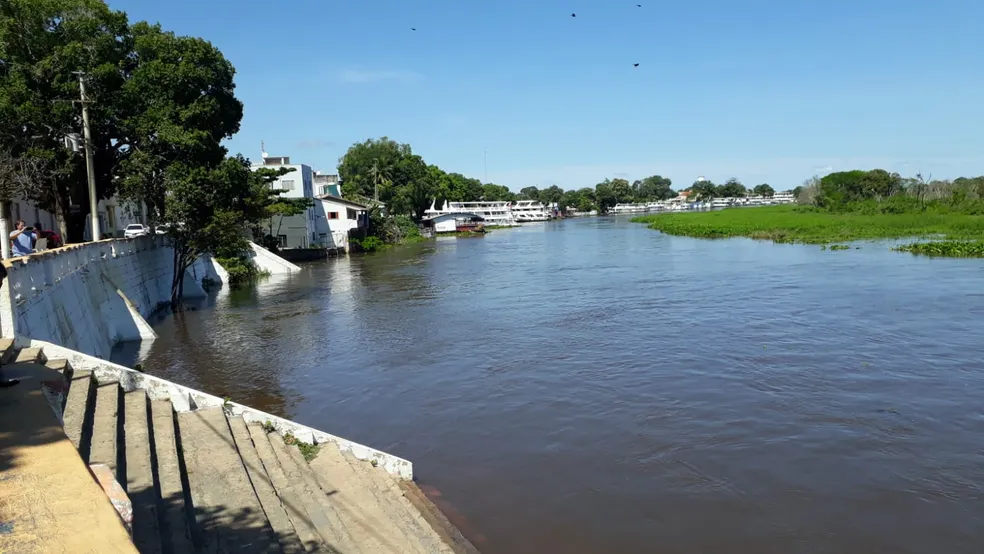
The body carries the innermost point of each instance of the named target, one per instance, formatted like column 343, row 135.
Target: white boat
column 618, row 209
column 497, row 214
column 529, row 211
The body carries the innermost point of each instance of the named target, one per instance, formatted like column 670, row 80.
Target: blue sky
column 763, row 90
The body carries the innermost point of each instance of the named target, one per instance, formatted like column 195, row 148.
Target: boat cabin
column 460, row 222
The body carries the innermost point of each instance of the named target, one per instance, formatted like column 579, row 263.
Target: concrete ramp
column 270, row 262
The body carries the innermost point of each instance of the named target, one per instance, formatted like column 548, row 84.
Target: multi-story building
column 325, row 184
column 299, row 231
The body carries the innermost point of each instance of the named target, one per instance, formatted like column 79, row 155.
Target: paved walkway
column 49, row 501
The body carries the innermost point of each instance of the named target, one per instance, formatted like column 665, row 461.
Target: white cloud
column 360, row 76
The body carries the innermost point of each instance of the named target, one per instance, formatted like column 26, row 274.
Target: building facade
column 299, row 231
column 336, row 217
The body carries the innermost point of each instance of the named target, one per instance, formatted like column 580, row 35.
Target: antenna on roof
column 263, row 151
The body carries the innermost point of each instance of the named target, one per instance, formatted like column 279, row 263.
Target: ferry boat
column 495, row 214
column 619, row 209
column 528, row 211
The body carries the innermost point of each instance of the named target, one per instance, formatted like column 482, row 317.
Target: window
column 286, row 184
column 332, row 215
column 282, row 241
column 111, row 216
column 350, row 214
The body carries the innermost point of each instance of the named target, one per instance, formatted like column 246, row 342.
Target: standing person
column 22, row 240
column 4, row 383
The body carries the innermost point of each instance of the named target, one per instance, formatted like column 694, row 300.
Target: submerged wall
column 88, row 297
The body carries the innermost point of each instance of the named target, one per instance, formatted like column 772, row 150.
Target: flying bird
column 413, row 28
column 638, row 5
column 573, row 15
column 635, row 65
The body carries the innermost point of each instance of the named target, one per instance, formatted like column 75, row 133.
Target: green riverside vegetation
column 851, row 206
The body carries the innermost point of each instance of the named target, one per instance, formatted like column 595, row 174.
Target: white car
column 135, row 230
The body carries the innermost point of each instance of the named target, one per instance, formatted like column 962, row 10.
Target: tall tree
column 653, row 188
column 355, row 168
column 43, row 44
column 622, row 190
column 178, row 105
column 704, row 190
column 529, row 193
column 605, row 196
column 764, row 190
column 732, row 189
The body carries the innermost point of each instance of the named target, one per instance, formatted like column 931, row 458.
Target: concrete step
column 397, row 507
column 105, row 428
column 329, row 529
column 356, row 503
column 346, row 542
column 448, row 532
column 78, row 412
column 140, row 472
column 228, row 515
column 290, row 498
column 7, row 351
column 275, row 513
column 30, row 355
column 175, row 535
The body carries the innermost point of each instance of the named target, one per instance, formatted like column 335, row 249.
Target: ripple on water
column 593, row 386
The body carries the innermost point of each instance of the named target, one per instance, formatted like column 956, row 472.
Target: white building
column 336, row 217
column 298, row 231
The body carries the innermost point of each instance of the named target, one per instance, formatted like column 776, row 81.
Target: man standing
column 22, row 240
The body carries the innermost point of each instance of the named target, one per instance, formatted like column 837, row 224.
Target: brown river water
column 594, row 386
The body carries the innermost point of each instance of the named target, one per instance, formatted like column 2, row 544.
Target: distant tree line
column 879, row 190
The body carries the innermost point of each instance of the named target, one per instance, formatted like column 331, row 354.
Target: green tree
column 42, row 45
column 653, row 188
column 732, row 189
column 605, row 196
column 550, row 195
column 704, row 190
column 764, row 190
column 177, row 106
column 529, row 193
column 493, row 192
column 355, row 169
column 796, row 192
column 208, row 211
column 622, row 190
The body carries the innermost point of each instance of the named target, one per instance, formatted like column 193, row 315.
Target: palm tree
column 377, row 177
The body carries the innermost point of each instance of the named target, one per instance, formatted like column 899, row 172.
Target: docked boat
column 494, row 214
column 619, row 209
column 529, row 211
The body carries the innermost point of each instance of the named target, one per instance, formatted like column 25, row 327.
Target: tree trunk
column 61, row 219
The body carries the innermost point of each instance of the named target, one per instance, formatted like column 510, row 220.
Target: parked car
column 134, row 230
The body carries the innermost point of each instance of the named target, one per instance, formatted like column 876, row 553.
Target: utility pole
column 89, row 164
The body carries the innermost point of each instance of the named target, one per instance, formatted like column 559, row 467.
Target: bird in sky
column 635, row 65
column 413, row 28
column 573, row 15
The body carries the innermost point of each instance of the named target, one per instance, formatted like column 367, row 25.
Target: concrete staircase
column 205, row 480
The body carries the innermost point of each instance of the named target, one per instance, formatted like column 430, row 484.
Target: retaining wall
column 270, row 262
column 88, row 297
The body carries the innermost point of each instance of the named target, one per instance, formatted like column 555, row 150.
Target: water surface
column 594, row 386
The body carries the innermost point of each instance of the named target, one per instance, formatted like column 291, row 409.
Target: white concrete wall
column 186, row 399
column 88, row 297
column 268, row 261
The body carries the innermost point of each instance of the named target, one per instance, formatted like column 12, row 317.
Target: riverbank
column 805, row 225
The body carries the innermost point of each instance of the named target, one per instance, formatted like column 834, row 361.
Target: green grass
column 806, row 225
column 948, row 248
